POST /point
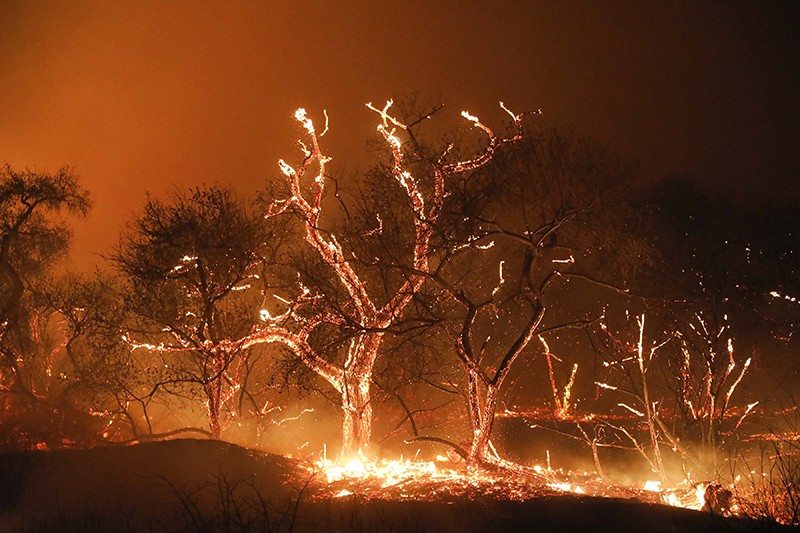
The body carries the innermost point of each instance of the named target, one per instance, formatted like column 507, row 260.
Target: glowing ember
column 387, row 472
column 566, row 487
column 671, row 499
column 424, row 481
column 684, row 495
column 441, row 480
column 653, row 486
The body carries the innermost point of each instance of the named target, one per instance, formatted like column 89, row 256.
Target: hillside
column 195, row 485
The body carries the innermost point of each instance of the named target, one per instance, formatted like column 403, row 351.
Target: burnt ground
column 196, row 485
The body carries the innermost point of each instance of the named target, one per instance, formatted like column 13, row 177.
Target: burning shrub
column 771, row 489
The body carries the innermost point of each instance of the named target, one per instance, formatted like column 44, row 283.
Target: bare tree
column 631, row 363
column 97, row 370
column 688, row 407
column 194, row 269
column 365, row 316
column 543, row 218
column 710, row 303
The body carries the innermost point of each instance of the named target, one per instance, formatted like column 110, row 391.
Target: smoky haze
column 152, row 96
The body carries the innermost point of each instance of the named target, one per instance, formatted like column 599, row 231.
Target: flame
column 566, row 487
column 388, row 472
column 429, row 480
column 652, row 486
column 426, row 480
column 445, row 480
column 301, row 117
column 684, row 495
column 700, row 494
column 468, row 116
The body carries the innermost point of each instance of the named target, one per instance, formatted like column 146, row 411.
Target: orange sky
column 150, row 96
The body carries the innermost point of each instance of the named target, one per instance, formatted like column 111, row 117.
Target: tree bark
column 482, row 409
column 356, row 417
column 213, row 390
column 356, row 400
column 213, row 395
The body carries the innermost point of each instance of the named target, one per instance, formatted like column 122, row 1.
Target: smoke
column 141, row 96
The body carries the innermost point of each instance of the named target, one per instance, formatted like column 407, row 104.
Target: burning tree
column 687, row 407
column 364, row 315
column 484, row 380
column 519, row 236
column 706, row 380
column 707, row 305
column 632, row 361
column 194, row 269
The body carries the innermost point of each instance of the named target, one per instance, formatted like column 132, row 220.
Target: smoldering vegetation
column 189, row 485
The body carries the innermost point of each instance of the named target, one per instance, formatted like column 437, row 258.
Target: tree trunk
column 356, row 417
column 214, row 425
column 213, row 391
column 356, row 401
column 482, row 411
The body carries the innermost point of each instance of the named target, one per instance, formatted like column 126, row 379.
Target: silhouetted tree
column 33, row 237
column 98, row 372
column 194, row 269
column 545, row 217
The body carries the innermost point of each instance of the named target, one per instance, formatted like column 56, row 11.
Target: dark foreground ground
column 193, row 485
